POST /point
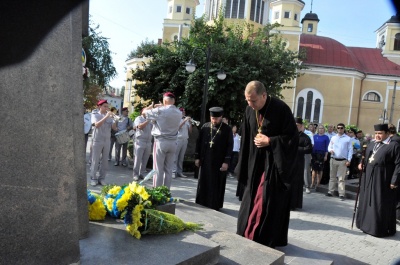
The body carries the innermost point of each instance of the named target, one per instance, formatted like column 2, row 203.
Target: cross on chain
column 371, row 159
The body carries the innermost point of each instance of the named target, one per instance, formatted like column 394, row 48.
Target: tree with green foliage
column 243, row 53
column 99, row 62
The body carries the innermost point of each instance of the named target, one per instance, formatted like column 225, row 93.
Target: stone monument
column 43, row 176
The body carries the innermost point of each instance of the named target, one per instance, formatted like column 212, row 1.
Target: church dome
column 310, row 16
column 394, row 19
column 325, row 51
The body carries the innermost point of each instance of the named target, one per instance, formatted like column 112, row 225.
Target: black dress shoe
column 328, row 195
column 116, row 164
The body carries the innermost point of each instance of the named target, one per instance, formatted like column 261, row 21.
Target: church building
column 353, row 85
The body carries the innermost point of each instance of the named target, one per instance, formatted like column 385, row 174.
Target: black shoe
column 328, row 195
column 116, row 164
column 341, row 198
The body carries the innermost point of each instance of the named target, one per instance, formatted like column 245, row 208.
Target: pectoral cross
column 371, row 159
column 211, row 144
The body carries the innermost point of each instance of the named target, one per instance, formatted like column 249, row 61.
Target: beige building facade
column 353, row 85
column 130, row 96
column 179, row 17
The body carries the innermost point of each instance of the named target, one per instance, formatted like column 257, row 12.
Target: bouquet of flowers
column 96, row 207
column 135, row 204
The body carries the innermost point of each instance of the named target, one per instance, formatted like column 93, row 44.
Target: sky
column 127, row 23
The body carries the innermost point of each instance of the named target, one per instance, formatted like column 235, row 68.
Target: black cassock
column 376, row 214
column 212, row 181
column 266, row 173
column 305, row 147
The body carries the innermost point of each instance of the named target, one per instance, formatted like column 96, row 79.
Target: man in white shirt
column 341, row 149
column 307, row 160
column 235, row 152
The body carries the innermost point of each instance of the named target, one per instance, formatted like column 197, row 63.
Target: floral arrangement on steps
column 135, row 204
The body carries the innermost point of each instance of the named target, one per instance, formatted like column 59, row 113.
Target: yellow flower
column 144, row 194
column 114, row 190
column 133, row 186
column 97, row 211
column 109, row 203
column 122, row 202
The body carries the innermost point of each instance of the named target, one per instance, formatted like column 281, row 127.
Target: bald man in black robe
column 265, row 169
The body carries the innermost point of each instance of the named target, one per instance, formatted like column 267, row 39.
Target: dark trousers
column 86, row 140
column 112, row 142
column 353, row 168
column 327, row 170
column 118, row 152
column 233, row 162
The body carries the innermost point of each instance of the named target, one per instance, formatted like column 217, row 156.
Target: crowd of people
column 274, row 156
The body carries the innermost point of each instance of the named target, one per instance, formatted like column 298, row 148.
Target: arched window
column 372, row 96
column 309, row 105
column 312, row 109
column 397, row 42
column 310, row 27
column 300, row 104
column 317, row 110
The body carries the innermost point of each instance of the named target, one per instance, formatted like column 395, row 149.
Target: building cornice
column 320, row 70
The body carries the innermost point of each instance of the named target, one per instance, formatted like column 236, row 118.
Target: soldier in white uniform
column 103, row 123
column 181, row 144
column 87, row 118
column 124, row 123
column 142, row 145
column 166, row 118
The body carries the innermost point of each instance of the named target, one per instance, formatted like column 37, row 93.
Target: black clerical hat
column 216, row 111
column 381, row 127
column 298, row 120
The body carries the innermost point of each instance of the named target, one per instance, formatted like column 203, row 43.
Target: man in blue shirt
column 341, row 149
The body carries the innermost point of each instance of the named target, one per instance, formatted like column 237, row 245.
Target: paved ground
column 323, row 225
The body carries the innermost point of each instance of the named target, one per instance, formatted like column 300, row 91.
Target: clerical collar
column 267, row 102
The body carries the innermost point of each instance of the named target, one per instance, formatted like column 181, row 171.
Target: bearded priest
column 376, row 213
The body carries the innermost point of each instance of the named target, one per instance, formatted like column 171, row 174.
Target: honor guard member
column 142, row 145
column 87, row 118
column 213, row 153
column 124, row 123
column 181, row 144
column 166, row 118
column 103, row 122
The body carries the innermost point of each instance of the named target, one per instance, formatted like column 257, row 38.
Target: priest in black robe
column 376, row 214
column 265, row 168
column 213, row 153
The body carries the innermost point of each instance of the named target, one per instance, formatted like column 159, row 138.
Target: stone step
column 221, row 229
column 109, row 243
